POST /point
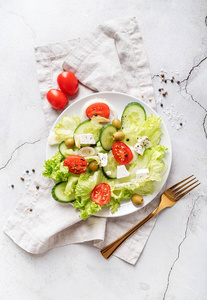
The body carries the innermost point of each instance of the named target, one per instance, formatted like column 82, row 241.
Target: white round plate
column 119, row 101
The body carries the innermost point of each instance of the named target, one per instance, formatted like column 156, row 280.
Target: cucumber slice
column 59, row 195
column 87, row 127
column 106, row 136
column 111, row 167
column 134, row 113
column 62, row 147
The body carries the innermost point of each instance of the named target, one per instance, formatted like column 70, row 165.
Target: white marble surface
column 173, row 264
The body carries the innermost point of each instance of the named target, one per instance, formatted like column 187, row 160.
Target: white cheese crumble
column 122, row 172
column 139, row 149
column 142, row 173
column 142, row 143
column 84, row 139
column 108, row 173
column 103, row 159
column 53, row 139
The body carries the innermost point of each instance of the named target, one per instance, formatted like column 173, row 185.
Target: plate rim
column 101, row 213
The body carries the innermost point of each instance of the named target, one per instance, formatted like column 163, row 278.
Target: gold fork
column 168, row 199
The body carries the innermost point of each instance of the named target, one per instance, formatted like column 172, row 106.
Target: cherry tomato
column 101, row 193
column 76, row 164
column 122, row 153
column 68, row 83
column 57, row 98
column 98, row 109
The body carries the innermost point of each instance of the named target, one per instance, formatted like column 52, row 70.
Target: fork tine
column 179, row 187
column 185, row 188
column 172, row 187
column 186, row 192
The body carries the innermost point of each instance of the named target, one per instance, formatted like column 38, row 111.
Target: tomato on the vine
column 98, row 109
column 122, row 153
column 101, row 193
column 67, row 82
column 76, row 164
column 57, row 98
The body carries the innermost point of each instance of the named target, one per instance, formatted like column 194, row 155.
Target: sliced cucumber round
column 87, row 127
column 106, row 136
column 110, row 171
column 62, row 147
column 134, row 113
column 59, row 195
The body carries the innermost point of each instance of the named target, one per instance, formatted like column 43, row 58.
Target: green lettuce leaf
column 152, row 160
column 149, row 128
column 66, row 127
column 54, row 168
column 84, row 188
column 89, row 209
column 71, row 185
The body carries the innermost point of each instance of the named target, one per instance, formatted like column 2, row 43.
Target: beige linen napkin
column 112, row 57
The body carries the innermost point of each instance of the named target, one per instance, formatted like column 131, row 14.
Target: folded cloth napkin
column 112, row 57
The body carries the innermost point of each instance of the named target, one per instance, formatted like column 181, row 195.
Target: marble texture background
column 173, row 264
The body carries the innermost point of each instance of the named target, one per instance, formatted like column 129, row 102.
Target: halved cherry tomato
column 122, row 153
column 98, row 109
column 68, row 83
column 76, row 164
column 57, row 98
column 101, row 193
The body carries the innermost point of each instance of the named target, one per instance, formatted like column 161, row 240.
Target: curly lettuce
column 149, row 128
column 66, row 127
column 54, row 168
column 71, row 185
column 84, row 188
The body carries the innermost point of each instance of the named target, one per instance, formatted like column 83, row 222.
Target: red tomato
column 68, row 83
column 101, row 193
column 98, row 109
column 122, row 153
column 57, row 98
column 76, row 164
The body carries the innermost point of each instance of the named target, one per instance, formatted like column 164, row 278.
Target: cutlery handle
column 109, row 249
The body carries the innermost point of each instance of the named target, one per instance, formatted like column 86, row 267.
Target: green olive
column 116, row 123
column 137, row 199
column 70, row 142
column 118, row 136
column 93, row 166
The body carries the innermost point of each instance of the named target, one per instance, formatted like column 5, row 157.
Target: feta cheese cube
column 103, row 159
column 144, row 141
column 142, row 173
column 84, row 139
column 108, row 173
column 139, row 149
column 122, row 172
